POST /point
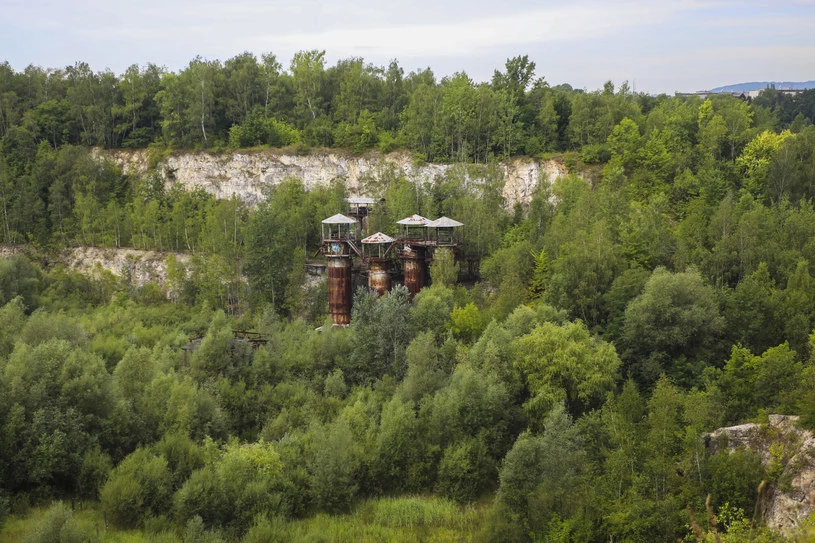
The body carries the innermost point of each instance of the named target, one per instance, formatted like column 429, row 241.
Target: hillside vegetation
column 564, row 396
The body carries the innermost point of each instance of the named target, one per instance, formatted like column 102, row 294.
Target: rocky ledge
column 787, row 505
column 249, row 175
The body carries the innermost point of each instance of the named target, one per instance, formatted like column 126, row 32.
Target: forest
column 562, row 393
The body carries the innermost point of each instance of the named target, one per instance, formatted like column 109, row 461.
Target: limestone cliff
column 141, row 267
column 786, row 449
column 249, row 175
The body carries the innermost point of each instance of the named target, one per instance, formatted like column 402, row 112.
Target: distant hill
column 756, row 85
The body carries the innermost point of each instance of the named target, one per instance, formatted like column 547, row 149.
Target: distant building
column 704, row 95
column 791, row 92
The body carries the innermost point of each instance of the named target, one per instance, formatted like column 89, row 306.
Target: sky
column 656, row 45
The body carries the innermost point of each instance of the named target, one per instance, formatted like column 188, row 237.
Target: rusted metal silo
column 376, row 253
column 339, row 245
column 339, row 290
column 415, row 268
column 413, row 238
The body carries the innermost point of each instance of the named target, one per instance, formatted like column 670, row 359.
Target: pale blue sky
column 681, row 45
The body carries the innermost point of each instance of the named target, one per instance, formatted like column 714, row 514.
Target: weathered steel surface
column 414, row 270
column 339, row 290
column 378, row 277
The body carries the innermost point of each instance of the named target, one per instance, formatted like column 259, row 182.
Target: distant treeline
column 246, row 101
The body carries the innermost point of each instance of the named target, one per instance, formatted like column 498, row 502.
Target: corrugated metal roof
column 379, row 237
column 339, row 218
column 413, row 220
column 360, row 200
column 443, row 222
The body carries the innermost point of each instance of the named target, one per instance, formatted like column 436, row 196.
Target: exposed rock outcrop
column 142, row 267
column 249, row 175
column 11, row 250
column 781, row 445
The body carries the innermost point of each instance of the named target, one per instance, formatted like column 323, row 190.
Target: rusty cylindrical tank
column 339, row 289
column 378, row 277
column 415, row 270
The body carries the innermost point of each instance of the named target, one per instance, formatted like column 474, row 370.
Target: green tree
column 273, row 232
column 749, row 383
column 419, row 119
column 734, row 478
column 465, row 470
column 663, row 448
column 236, row 485
column 453, row 126
column 625, row 142
column 400, row 456
column 137, row 488
column 467, row 323
column 242, row 86
column 12, row 320
column 307, row 70
column 444, row 268
column 796, row 307
column 426, row 372
column 583, row 271
column 751, row 311
column 672, row 327
column 334, row 467
column 19, row 278
column 96, row 466
column 754, row 161
column 431, row 309
column 540, row 475
column 381, row 333
column 564, row 363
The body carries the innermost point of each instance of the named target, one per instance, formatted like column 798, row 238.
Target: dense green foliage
column 616, row 322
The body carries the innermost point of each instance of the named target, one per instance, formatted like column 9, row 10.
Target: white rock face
column 142, row 266
column 249, row 176
column 785, row 509
column 11, row 250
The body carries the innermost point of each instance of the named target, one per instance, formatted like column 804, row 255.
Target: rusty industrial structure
column 359, row 207
column 339, row 246
column 376, row 253
column 413, row 239
column 417, row 241
column 419, row 238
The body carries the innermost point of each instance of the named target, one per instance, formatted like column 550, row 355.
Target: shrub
column 58, row 525
column 137, row 488
column 466, row 470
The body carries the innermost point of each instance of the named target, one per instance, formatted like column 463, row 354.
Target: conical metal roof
column 339, row 218
column 443, row 222
column 379, row 237
column 413, row 220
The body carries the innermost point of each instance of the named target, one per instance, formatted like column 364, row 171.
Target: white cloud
column 665, row 44
column 578, row 21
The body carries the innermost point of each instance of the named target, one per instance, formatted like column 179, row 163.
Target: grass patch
column 394, row 519
column 418, row 511
column 405, row 518
column 85, row 525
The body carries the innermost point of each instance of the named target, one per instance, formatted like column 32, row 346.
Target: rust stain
column 378, row 277
column 415, row 270
column 339, row 290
